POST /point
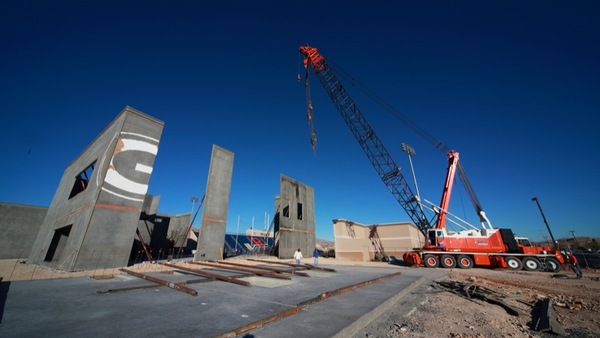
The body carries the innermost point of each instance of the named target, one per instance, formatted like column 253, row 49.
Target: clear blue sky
column 512, row 85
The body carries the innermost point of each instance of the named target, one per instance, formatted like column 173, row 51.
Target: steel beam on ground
column 303, row 274
column 345, row 289
column 306, row 266
column 312, row 267
column 208, row 274
column 133, row 288
column 172, row 285
column 300, row 306
column 252, row 271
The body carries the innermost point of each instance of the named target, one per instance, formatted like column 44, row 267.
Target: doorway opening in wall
column 59, row 241
column 82, row 180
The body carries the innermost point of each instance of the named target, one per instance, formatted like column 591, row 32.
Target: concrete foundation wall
column 179, row 232
column 216, row 206
column 19, row 226
column 355, row 241
column 294, row 219
column 164, row 236
column 147, row 219
column 92, row 220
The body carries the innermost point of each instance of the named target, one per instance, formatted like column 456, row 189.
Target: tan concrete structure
column 360, row 242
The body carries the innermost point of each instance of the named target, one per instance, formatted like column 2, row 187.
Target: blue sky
column 512, row 85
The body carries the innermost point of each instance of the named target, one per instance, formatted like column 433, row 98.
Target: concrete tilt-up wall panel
column 216, row 205
column 295, row 214
column 92, row 220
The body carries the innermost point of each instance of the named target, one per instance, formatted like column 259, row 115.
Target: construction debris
column 546, row 319
column 476, row 292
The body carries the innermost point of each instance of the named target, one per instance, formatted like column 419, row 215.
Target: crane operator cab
column 523, row 241
column 435, row 237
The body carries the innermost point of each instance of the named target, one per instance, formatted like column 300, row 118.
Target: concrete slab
column 75, row 307
column 320, row 274
column 267, row 282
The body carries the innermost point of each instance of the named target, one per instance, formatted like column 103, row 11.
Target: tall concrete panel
column 216, row 205
column 294, row 219
column 19, row 226
column 92, row 220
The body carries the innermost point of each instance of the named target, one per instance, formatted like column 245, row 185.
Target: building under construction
column 102, row 217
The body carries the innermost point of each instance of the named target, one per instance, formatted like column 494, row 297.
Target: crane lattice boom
column 378, row 155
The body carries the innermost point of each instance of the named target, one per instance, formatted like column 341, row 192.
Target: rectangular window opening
column 300, row 211
column 286, row 211
column 82, row 180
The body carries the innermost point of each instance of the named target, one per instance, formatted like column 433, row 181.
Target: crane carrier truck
column 487, row 247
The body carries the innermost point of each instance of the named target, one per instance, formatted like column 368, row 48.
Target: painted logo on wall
column 130, row 167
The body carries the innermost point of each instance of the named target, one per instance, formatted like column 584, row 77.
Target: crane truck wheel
column 531, row 264
column 448, row 262
column 431, row 261
column 513, row 263
column 552, row 265
column 464, row 262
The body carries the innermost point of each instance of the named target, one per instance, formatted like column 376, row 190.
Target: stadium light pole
column 194, row 199
column 411, row 152
column 535, row 199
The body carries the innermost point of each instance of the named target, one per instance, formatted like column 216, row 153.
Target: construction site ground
column 435, row 311
column 37, row 301
column 109, row 303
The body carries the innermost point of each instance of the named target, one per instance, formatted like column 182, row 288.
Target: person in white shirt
column 298, row 256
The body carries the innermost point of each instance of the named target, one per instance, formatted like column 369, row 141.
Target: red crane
column 467, row 248
column 447, row 192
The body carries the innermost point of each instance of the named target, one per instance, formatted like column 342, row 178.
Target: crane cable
column 309, row 109
column 419, row 130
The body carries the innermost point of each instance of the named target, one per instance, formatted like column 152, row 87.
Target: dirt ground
column 17, row 270
column 443, row 313
column 435, row 311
